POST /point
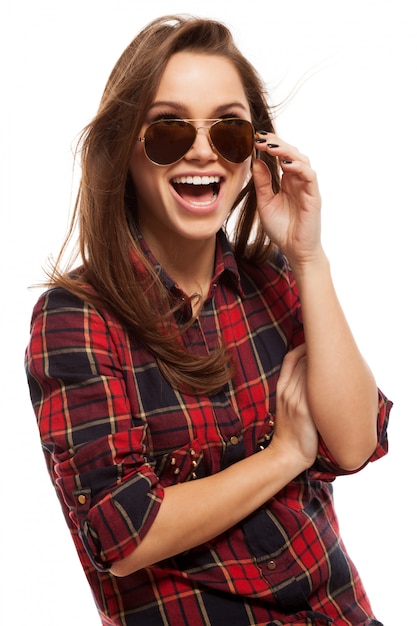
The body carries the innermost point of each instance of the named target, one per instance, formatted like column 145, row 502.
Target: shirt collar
column 225, row 266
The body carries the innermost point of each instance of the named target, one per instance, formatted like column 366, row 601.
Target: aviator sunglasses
column 166, row 141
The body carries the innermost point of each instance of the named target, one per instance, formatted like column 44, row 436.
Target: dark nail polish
column 260, row 140
column 286, row 161
column 262, row 132
column 272, row 145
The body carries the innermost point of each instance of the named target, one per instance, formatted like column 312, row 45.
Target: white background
column 355, row 118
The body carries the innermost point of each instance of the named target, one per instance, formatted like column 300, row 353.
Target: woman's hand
column 291, row 218
column 295, row 427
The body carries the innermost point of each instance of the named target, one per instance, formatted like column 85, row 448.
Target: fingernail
column 259, row 140
column 272, row 145
column 286, row 161
column 262, row 132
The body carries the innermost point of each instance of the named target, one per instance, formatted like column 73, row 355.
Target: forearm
column 341, row 389
column 194, row 512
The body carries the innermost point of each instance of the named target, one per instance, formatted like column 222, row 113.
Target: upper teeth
column 197, row 180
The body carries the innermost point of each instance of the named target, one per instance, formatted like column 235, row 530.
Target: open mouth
column 197, row 190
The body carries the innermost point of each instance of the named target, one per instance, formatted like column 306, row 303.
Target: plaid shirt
column 115, row 433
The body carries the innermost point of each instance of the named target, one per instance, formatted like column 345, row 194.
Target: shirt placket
column 202, row 337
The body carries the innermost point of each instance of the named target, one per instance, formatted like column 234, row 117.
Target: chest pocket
column 181, row 465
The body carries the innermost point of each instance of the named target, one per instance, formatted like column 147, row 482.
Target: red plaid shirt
column 115, row 433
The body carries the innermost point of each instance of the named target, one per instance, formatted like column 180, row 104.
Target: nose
column 202, row 148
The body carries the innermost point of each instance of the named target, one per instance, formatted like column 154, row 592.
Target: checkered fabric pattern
column 115, row 434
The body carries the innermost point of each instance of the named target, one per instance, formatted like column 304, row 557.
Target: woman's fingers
column 289, row 365
column 285, row 152
column 295, row 426
column 291, row 217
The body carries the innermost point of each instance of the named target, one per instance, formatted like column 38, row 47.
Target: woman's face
column 175, row 199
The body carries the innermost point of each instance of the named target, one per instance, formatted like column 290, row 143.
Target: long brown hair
column 106, row 206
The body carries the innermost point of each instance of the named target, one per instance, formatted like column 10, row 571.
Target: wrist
column 285, row 462
column 312, row 264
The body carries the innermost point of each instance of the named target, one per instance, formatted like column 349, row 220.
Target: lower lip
column 198, row 209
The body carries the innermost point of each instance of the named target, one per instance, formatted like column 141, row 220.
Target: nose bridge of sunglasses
column 202, row 137
column 206, row 128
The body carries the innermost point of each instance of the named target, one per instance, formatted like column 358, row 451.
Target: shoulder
column 60, row 308
column 58, row 299
column 66, row 331
column 271, row 269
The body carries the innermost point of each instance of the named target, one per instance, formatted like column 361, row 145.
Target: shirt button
column 234, row 440
column 271, row 565
column 82, row 499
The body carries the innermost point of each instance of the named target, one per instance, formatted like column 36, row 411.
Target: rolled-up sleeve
column 95, row 447
column 326, row 468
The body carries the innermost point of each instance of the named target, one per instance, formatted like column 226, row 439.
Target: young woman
column 196, row 394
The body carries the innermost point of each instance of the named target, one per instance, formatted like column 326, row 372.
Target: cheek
column 145, row 175
column 245, row 174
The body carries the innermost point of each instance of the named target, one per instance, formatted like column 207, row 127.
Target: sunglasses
column 166, row 141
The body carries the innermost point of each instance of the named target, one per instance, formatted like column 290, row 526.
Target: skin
column 325, row 386
column 178, row 234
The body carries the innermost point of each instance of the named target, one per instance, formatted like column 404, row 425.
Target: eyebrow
column 182, row 108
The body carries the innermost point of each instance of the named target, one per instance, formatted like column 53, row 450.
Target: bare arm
column 209, row 506
column 342, row 392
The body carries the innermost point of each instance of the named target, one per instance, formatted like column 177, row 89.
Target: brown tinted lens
column 166, row 141
column 233, row 139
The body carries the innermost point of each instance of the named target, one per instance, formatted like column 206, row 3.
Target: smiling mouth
column 197, row 190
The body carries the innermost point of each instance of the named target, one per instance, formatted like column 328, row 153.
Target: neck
column 189, row 263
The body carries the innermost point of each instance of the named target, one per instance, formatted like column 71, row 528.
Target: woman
column 191, row 418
